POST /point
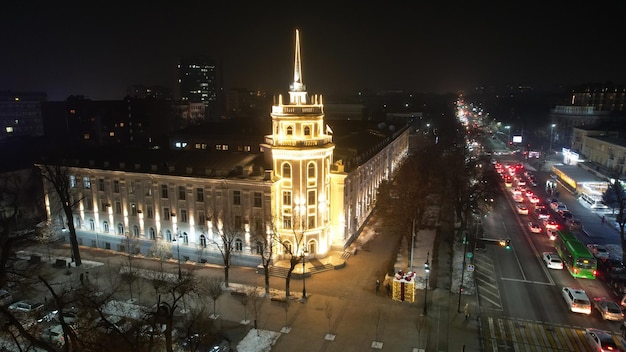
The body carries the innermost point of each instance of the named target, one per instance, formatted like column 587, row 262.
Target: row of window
column 311, row 170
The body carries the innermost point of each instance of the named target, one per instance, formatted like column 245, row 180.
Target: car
column 534, row 199
column 551, row 233
column 552, row 260
column 601, row 340
column 69, row 317
column 543, row 214
column 550, row 224
column 528, row 193
column 534, row 227
column 522, row 209
column 609, row 310
column 6, row 297
column 561, row 207
column 599, row 251
column 577, row 300
column 26, row 306
column 53, row 334
column 574, row 224
column 518, row 199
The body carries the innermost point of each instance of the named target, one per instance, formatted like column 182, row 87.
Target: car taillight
column 595, row 273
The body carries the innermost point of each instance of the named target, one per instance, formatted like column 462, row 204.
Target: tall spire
column 297, row 85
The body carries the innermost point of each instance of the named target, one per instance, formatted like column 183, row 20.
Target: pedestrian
column 467, row 311
column 377, row 286
column 603, row 219
column 388, row 290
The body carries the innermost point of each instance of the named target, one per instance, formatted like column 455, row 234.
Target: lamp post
column 177, row 239
column 552, row 126
column 427, row 269
column 304, row 253
column 509, row 138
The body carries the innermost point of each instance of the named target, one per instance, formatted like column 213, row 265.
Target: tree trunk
column 226, row 275
column 287, row 280
column 73, row 239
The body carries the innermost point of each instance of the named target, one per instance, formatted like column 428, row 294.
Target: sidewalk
column 352, row 319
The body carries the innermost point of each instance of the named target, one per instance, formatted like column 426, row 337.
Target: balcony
column 298, row 109
column 298, row 143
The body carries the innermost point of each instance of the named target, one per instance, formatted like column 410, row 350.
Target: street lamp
column 551, row 134
column 427, row 269
column 177, row 239
column 304, row 253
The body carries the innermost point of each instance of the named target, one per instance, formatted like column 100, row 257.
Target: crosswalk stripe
column 507, row 334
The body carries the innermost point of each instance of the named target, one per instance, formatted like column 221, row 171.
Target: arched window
column 105, row 226
column 152, row 234
column 311, row 170
column 92, row 225
column 259, row 247
column 185, row 238
column 120, row 229
column 289, row 130
column 136, row 231
column 168, row 236
column 287, row 248
column 238, row 245
column 203, row 241
column 78, row 223
column 286, row 170
column 307, row 130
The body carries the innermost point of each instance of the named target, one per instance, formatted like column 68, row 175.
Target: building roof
column 207, row 164
column 578, row 174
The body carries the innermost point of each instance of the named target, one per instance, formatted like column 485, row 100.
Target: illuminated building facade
column 293, row 188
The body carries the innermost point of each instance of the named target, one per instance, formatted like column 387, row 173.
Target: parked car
column 53, row 334
column 609, row 310
column 26, row 306
column 574, row 224
column 552, row 260
column 6, row 297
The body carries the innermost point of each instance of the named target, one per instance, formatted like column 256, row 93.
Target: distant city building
column 290, row 185
column 139, row 91
column 602, row 97
column 138, row 122
column 198, row 82
column 20, row 114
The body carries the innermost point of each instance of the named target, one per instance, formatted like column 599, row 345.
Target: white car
column 534, row 227
column 598, row 251
column 522, row 209
column 577, row 300
column 518, row 199
column 609, row 310
column 552, row 260
column 551, row 233
column 25, row 306
column 550, row 224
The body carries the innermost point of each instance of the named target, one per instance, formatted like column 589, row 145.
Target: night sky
column 64, row 49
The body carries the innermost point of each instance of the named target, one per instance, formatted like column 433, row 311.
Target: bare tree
column 257, row 302
column 63, row 198
column 213, row 287
column 292, row 249
column 228, row 234
column 266, row 243
column 615, row 198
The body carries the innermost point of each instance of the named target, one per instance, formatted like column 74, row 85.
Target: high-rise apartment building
column 198, row 83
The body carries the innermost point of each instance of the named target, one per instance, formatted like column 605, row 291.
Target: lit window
column 286, row 170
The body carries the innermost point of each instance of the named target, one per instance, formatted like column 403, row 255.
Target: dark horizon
column 65, row 51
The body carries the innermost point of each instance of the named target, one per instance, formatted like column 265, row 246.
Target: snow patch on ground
column 258, row 341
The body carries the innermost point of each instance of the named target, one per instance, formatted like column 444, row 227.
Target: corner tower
column 302, row 153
